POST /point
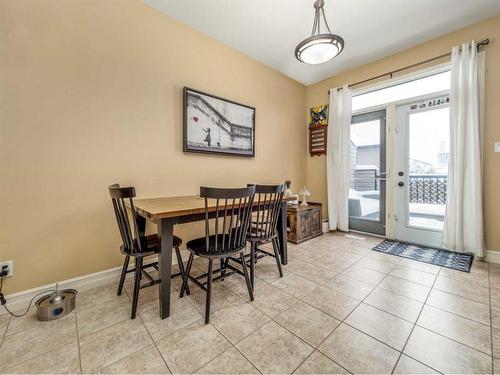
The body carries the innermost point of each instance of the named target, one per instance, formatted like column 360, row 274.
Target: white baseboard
column 493, row 256
column 19, row 301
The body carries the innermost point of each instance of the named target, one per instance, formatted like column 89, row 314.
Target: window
column 422, row 86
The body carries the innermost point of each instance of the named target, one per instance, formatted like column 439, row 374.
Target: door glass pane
column 364, row 192
column 429, row 145
column 422, row 86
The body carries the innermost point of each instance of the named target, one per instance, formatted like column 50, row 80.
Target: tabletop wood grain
column 167, row 207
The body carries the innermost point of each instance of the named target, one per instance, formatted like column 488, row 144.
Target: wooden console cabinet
column 304, row 222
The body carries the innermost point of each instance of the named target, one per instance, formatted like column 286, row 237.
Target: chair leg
column 277, row 255
column 124, row 273
column 185, row 278
column 181, row 267
column 247, row 279
column 252, row 263
column 223, row 269
column 137, row 283
column 209, row 291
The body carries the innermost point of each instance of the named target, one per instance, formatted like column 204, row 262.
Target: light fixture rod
column 322, row 45
column 318, row 13
column 324, row 19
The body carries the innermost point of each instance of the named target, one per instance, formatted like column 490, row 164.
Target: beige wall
column 91, row 94
column 317, row 94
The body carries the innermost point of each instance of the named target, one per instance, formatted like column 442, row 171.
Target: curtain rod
column 482, row 43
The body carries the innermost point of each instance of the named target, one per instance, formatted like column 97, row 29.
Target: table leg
column 282, row 236
column 165, row 232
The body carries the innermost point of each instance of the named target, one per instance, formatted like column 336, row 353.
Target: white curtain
column 338, row 158
column 463, row 223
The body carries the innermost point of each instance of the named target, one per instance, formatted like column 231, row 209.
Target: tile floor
column 340, row 308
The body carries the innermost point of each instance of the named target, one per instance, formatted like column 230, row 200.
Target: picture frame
column 214, row 125
column 318, row 115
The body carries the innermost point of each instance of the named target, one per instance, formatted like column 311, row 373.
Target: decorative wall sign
column 317, row 139
column 215, row 125
column 319, row 115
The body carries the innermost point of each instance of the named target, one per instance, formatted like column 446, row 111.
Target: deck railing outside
column 428, row 188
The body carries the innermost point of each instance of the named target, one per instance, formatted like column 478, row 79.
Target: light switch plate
column 497, row 146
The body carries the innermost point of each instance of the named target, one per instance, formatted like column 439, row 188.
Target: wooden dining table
column 169, row 211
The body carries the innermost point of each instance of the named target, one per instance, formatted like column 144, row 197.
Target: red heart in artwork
column 195, row 119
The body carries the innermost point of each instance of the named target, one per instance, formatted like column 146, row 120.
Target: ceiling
column 269, row 30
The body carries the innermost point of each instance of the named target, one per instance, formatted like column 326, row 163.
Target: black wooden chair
column 233, row 207
column 263, row 229
column 136, row 244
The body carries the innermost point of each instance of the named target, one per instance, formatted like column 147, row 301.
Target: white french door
column 421, row 150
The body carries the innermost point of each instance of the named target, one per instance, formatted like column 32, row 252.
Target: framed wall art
column 215, row 125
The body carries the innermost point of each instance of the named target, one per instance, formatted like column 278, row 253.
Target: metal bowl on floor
column 56, row 305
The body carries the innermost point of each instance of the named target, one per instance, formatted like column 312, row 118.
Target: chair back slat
column 131, row 238
column 268, row 200
column 231, row 217
column 235, row 207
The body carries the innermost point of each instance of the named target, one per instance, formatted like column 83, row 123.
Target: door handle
column 401, row 183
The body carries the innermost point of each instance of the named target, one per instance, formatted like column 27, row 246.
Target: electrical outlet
column 10, row 267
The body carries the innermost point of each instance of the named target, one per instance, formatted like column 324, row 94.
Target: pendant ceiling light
column 319, row 47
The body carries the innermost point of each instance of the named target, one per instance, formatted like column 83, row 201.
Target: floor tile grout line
column 433, row 306
column 474, row 284
column 402, row 295
column 461, row 296
column 414, row 323
column 314, row 347
column 387, row 312
column 317, row 350
column 232, row 346
column 420, row 270
column 454, row 340
column 414, row 282
column 35, row 356
column 342, row 321
column 155, row 345
column 152, row 339
column 78, row 342
column 355, row 263
column 4, row 369
column 4, row 335
column 273, row 320
column 458, row 315
column 116, row 323
column 423, row 305
column 413, row 328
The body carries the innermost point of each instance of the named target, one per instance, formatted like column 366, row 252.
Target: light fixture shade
column 319, row 48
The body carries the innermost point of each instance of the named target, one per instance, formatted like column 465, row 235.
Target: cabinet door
column 305, row 228
column 316, row 221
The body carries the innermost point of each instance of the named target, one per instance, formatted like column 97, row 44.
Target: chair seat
column 257, row 235
column 152, row 243
column 198, row 246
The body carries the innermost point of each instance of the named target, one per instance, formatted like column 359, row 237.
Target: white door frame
column 390, row 139
column 402, row 229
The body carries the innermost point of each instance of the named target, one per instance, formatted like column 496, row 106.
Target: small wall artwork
column 319, row 115
column 215, row 125
column 318, row 127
